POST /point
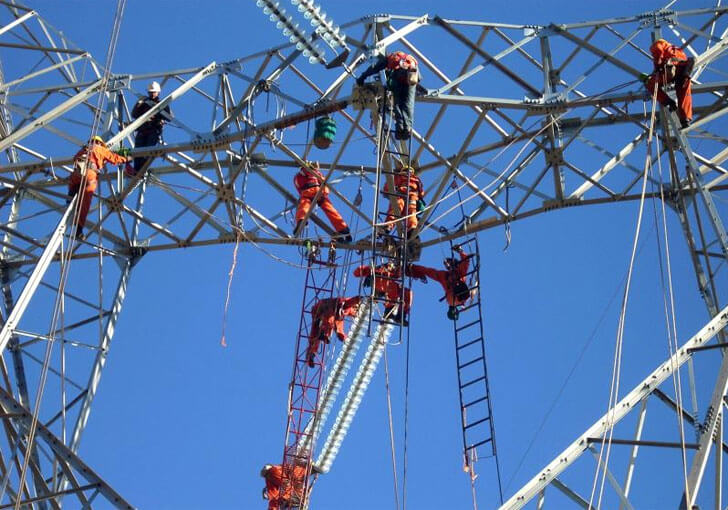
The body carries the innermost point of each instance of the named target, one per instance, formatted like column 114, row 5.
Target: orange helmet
column 658, row 47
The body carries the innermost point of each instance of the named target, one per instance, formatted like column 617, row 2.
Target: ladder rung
column 476, row 401
column 479, row 358
column 468, row 325
column 472, row 382
column 469, row 425
column 479, row 339
column 469, row 307
column 481, row 443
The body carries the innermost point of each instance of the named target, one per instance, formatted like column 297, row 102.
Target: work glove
column 360, row 81
column 367, row 281
column 644, row 78
column 123, row 151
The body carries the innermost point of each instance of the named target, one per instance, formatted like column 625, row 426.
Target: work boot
column 684, row 123
column 310, row 360
column 671, row 105
column 345, row 235
column 79, row 234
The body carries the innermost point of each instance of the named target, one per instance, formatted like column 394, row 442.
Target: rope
column 617, row 362
column 670, row 317
column 65, row 258
column 391, row 429
column 406, row 417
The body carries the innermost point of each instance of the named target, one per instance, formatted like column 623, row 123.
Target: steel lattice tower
column 554, row 118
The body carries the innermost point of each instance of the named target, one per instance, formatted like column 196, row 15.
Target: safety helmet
column 265, row 470
column 97, row 139
column 658, row 46
column 154, row 87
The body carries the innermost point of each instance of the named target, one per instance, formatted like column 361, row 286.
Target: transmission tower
column 538, row 109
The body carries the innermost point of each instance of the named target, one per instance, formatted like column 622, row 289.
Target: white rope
column 617, row 361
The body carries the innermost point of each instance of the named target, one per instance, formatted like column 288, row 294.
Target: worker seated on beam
column 86, row 164
column 453, row 280
column 327, row 316
column 308, row 182
column 402, row 75
column 283, row 485
column 150, row 132
column 407, row 184
column 671, row 66
column 386, row 286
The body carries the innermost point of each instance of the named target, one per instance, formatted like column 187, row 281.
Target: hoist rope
column 604, row 452
column 670, row 315
column 390, row 420
column 66, row 257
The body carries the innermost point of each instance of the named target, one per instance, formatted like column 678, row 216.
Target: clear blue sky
column 182, row 423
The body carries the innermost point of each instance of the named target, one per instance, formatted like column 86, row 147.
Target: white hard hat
column 265, row 470
column 154, row 87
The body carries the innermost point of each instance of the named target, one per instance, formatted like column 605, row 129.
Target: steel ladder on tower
column 476, row 410
column 390, row 242
column 306, row 381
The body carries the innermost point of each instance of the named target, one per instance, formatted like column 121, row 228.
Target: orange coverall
column 385, row 284
column 307, row 182
column 413, row 190
column 449, row 279
column 98, row 156
column 672, row 66
column 283, row 489
column 328, row 316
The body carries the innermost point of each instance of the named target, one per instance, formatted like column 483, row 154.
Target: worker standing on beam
column 283, row 485
column 402, row 78
column 327, row 316
column 308, row 181
column 386, row 285
column 672, row 66
column 453, row 279
column 86, row 164
column 407, row 184
column 149, row 133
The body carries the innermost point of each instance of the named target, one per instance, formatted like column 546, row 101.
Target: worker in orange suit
column 308, row 182
column 672, row 66
column 283, row 485
column 406, row 183
column 88, row 162
column 386, row 285
column 452, row 279
column 328, row 316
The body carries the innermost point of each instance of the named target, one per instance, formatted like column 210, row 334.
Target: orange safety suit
column 414, row 191
column 308, row 181
column 327, row 316
column 284, row 486
column 386, row 284
column 452, row 279
column 672, row 66
column 95, row 155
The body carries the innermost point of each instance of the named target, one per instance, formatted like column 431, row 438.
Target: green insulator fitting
column 324, row 133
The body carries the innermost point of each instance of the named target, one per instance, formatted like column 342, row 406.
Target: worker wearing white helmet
column 150, row 132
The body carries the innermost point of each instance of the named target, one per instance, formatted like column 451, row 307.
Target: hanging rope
column 392, row 448
column 617, row 362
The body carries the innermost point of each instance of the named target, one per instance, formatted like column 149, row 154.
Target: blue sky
column 182, row 423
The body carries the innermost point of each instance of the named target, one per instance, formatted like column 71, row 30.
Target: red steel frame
column 306, row 382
